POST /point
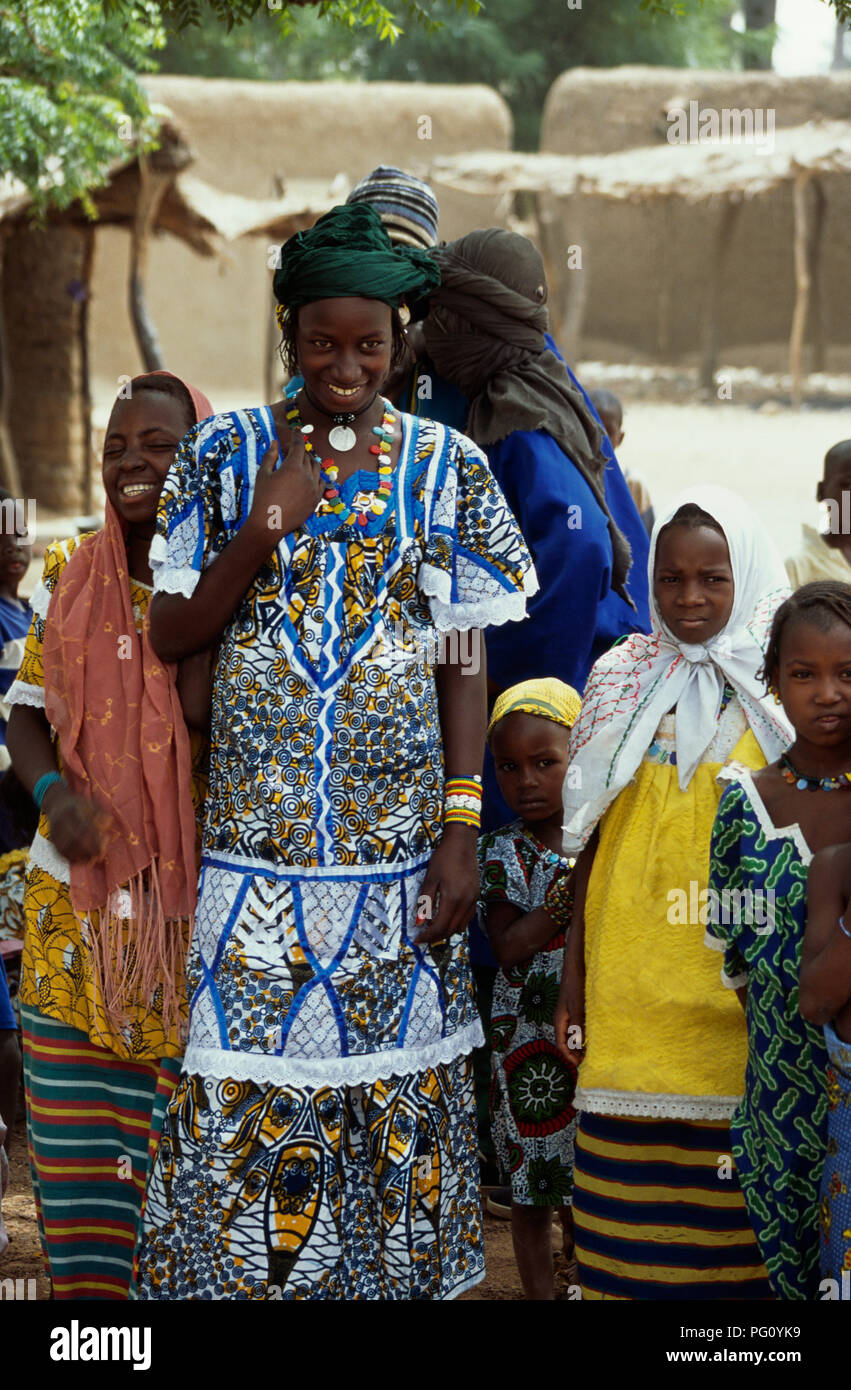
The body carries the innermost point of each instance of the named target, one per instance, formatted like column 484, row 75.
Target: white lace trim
column 733, row 981
column 20, row 693
column 737, row 772
column 489, row 611
column 182, row 581
column 47, row 857
column 40, row 601
column 361, row 1070
column 713, row 943
column 659, row 1106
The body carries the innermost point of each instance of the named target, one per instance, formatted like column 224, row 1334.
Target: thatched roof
column 691, row 171
column 246, row 133
column 192, row 210
column 604, row 110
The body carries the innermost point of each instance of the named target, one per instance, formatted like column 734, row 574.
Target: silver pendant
column 342, row 438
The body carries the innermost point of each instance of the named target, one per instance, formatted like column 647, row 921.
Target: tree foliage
column 68, row 91
column 70, row 100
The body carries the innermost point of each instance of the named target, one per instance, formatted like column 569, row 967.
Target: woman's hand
column 451, row 886
column 77, row 827
column 284, row 497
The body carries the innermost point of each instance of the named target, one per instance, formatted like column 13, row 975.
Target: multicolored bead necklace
column 812, row 784
column 377, row 503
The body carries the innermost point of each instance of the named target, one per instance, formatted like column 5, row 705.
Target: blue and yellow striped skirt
column 659, row 1213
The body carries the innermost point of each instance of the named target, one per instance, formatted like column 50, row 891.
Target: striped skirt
column 659, row 1214
column 93, row 1123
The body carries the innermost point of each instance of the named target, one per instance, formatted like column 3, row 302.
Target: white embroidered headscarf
column 633, row 686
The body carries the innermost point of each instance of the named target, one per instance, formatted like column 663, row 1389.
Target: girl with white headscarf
column 658, row 1213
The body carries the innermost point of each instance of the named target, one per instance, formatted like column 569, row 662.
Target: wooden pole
column 152, row 185
column 802, row 287
column 85, row 373
column 817, row 316
column 712, row 311
column 271, row 362
column 577, row 279
column 10, row 476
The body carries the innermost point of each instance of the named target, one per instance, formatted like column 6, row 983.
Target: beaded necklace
column 812, row 784
column 330, row 472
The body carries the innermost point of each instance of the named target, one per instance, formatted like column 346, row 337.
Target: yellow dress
column 664, row 1038
column 56, row 975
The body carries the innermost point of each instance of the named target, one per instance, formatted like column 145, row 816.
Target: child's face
column 15, row 555
column 693, row 582
column 613, row 427
column 814, row 681
column 141, row 440
column 837, row 482
column 344, row 347
column 531, row 758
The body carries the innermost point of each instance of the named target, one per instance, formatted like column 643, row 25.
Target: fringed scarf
column 125, row 747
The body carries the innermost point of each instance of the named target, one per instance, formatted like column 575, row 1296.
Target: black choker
column 341, row 436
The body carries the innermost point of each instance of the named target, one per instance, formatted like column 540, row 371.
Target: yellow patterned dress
column 658, row 1210
column 95, row 1093
column 322, row 1144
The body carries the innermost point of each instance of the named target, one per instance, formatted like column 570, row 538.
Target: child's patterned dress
column 534, row 1122
column 836, row 1179
column 758, row 879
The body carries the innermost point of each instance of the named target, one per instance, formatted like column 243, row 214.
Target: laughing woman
column 97, row 736
column 321, row 1144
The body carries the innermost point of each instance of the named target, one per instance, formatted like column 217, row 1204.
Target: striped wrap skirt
column 93, row 1124
column 659, row 1214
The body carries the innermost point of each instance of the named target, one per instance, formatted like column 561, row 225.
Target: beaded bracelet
column 558, row 899
column 462, row 801
column 843, row 928
column 39, row 791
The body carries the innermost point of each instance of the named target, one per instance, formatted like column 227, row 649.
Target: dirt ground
column 23, row 1257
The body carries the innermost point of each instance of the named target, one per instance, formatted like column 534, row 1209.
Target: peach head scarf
column 124, row 746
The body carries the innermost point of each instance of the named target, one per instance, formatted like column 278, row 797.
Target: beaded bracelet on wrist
column 461, row 816
column 558, row 899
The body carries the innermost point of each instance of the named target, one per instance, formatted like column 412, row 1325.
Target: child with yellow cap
column 525, row 905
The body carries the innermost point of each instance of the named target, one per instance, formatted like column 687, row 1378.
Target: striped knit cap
column 405, row 204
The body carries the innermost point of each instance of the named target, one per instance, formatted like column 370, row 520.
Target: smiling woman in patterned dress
column 322, row 1141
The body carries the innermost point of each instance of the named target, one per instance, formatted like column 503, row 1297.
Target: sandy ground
column 769, row 454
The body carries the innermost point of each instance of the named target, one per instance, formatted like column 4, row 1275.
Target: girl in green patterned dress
column 768, row 826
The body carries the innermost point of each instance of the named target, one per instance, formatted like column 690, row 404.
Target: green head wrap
column 349, row 253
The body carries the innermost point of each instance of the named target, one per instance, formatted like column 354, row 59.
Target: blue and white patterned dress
column 322, row 1141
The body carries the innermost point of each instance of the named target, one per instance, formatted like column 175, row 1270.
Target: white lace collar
column 737, row 772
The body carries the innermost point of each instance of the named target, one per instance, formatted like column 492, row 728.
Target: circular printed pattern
column 540, row 1088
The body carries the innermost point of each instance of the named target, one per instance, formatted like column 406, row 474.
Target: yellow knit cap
column 548, row 698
